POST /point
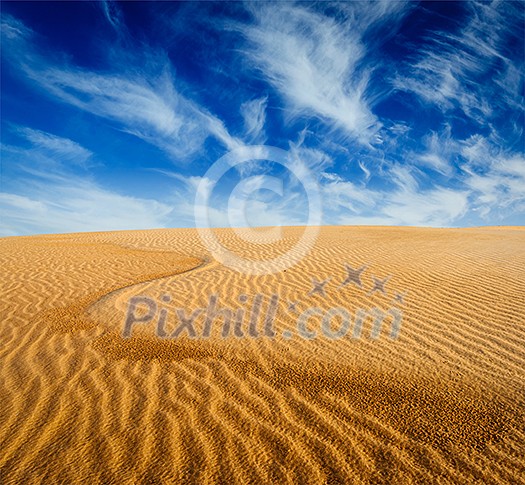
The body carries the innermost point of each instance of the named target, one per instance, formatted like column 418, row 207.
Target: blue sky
column 405, row 113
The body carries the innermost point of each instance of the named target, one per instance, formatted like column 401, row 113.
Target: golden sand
column 442, row 403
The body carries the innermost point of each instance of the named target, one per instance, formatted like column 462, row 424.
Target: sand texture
column 444, row 402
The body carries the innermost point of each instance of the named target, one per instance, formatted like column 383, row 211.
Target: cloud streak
column 472, row 70
column 315, row 63
column 254, row 115
column 56, row 147
column 143, row 102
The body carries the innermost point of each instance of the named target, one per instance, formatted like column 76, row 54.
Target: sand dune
column 444, row 402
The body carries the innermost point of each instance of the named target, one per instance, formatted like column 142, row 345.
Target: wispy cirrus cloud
column 440, row 150
column 407, row 203
column 259, row 199
column 76, row 205
column 142, row 101
column 113, row 15
column 446, row 181
column 47, row 194
column 316, row 61
column 254, row 115
column 56, row 147
column 495, row 177
column 474, row 69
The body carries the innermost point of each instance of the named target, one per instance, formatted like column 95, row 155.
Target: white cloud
column 141, row 101
column 476, row 150
column 254, row 115
column 45, row 192
column 341, row 196
column 244, row 205
column 313, row 160
column 56, row 147
column 471, row 70
column 438, row 206
column 112, row 14
column 76, row 205
column 313, row 62
column 499, row 186
column 439, row 152
column 150, row 109
column 407, row 203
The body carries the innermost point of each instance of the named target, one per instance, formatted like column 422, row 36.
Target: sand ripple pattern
column 444, row 403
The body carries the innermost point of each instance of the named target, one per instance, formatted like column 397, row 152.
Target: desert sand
column 444, row 402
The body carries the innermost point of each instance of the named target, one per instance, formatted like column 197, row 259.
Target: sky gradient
column 405, row 113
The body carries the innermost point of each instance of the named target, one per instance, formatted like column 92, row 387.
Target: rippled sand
column 444, row 402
